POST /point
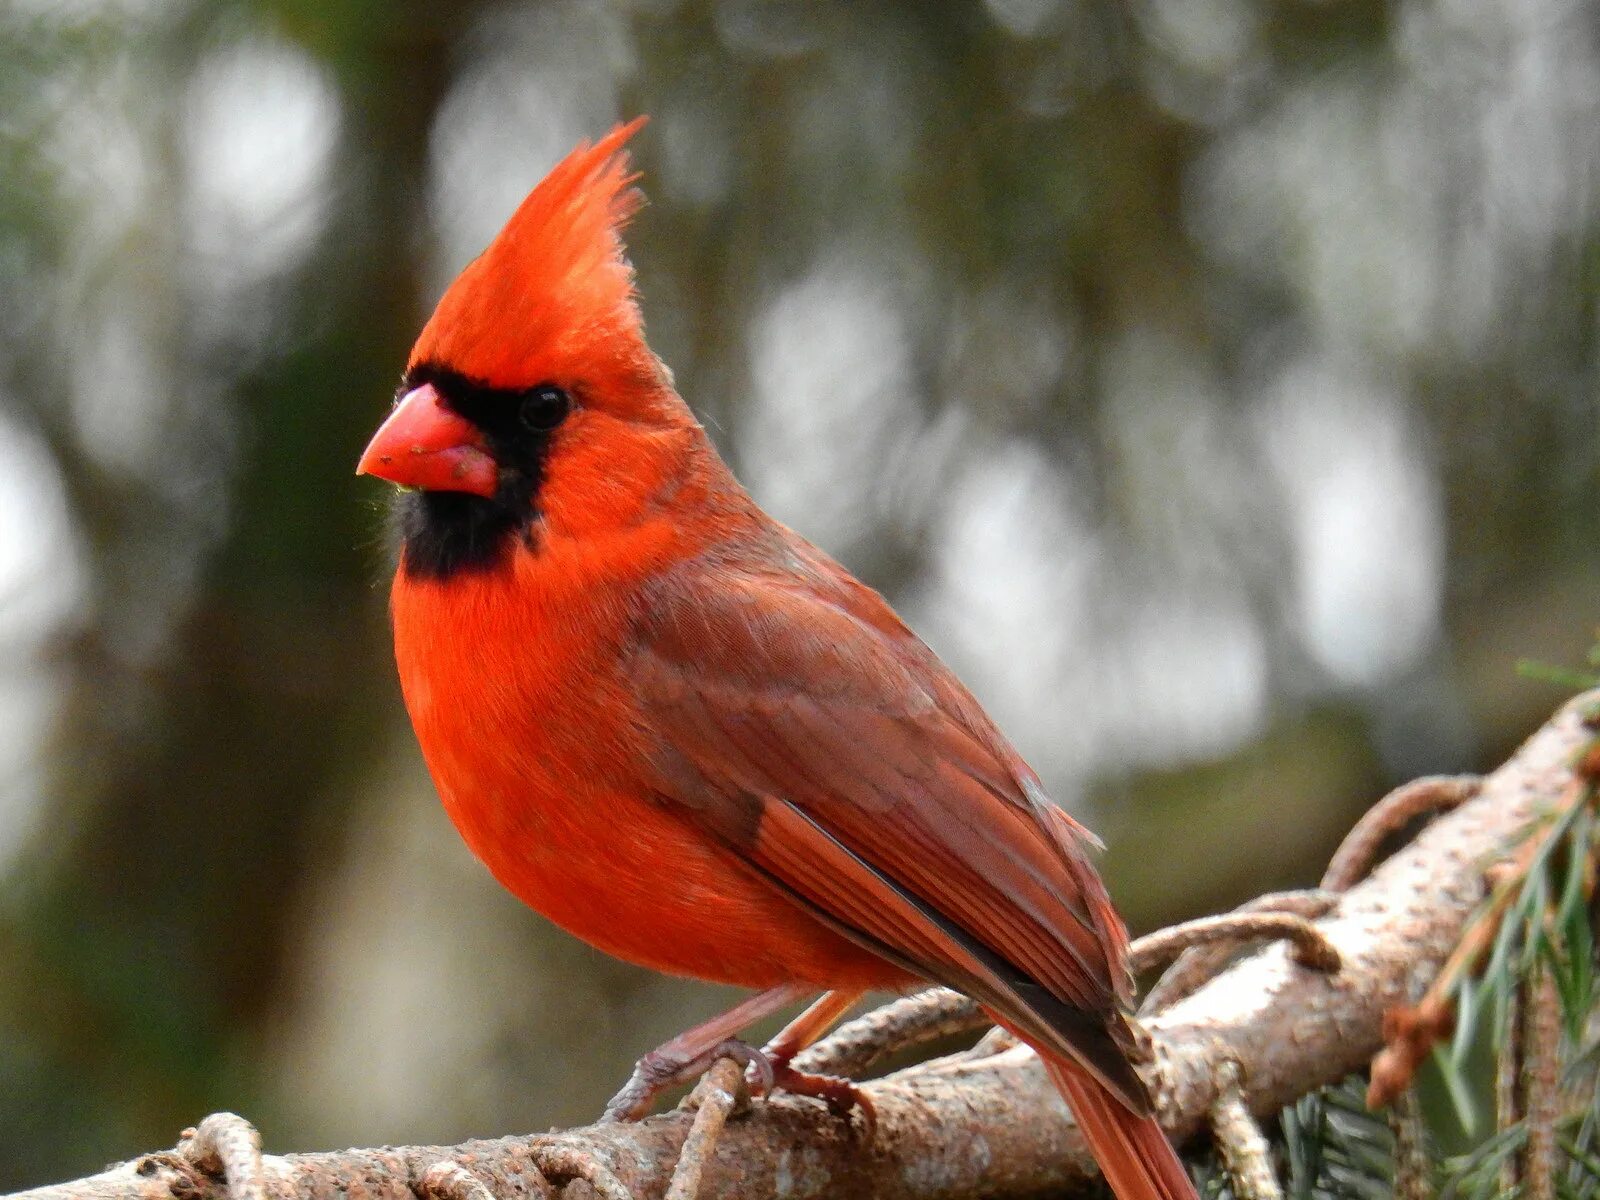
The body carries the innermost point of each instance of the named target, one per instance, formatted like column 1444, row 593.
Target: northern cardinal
column 682, row 732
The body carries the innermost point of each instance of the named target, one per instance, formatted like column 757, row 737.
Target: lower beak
column 425, row 445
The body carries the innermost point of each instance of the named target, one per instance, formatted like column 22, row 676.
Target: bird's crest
column 554, row 287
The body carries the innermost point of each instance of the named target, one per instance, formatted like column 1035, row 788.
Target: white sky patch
column 98, row 142
column 121, row 389
column 1363, row 514
column 114, row 292
column 1178, row 481
column 74, row 12
column 1183, row 676
column 1015, row 564
column 130, row 295
column 1309, row 196
column 41, row 593
column 260, row 126
column 1088, row 665
column 41, row 580
column 1023, row 18
column 1411, row 203
column 1213, row 36
column 831, row 361
column 1176, row 668
column 694, row 143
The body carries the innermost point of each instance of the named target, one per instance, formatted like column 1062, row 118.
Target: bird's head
column 533, row 364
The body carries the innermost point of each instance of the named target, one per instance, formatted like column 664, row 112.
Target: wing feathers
column 834, row 753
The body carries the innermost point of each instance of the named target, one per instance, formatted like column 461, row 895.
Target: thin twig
column 1507, row 1087
column 447, row 1180
column 1541, row 1085
column 1245, row 1153
column 1359, row 850
column 563, row 1161
column 909, row 1021
column 720, row 1091
column 226, row 1143
column 997, row 1041
column 1309, row 945
column 1201, row 962
column 939, row 1012
column 1413, row 1167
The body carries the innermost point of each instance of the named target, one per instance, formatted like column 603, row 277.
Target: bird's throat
column 446, row 534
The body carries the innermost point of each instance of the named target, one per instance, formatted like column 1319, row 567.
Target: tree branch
column 964, row 1127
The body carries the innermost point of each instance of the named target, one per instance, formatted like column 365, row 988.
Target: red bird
column 686, row 735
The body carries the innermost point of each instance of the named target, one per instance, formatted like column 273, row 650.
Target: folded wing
column 802, row 725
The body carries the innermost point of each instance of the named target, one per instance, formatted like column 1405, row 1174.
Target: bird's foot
column 765, row 1073
column 663, row 1069
column 840, row 1095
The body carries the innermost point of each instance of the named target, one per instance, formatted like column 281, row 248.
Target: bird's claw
column 765, row 1073
column 657, row 1072
column 840, row 1095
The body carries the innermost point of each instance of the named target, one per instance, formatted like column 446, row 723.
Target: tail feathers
column 1134, row 1154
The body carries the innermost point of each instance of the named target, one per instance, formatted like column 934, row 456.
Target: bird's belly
column 635, row 881
column 534, row 750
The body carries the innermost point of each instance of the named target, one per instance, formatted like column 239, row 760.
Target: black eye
column 543, row 408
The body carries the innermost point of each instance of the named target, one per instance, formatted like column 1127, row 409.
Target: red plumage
column 679, row 730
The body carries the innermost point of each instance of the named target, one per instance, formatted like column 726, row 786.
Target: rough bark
column 964, row 1127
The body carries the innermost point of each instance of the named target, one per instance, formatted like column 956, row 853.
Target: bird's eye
column 544, row 407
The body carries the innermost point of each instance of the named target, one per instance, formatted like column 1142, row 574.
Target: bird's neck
column 673, row 474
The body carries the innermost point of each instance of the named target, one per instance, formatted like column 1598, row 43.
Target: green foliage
column 1582, row 1144
column 1336, row 1148
column 1332, row 1146
column 1577, row 680
column 1328, row 1145
column 1478, row 1176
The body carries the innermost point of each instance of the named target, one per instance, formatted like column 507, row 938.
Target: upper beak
column 425, row 445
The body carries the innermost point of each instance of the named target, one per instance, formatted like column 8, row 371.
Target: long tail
column 1134, row 1154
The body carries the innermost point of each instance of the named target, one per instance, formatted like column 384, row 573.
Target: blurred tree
column 155, row 933
column 1213, row 381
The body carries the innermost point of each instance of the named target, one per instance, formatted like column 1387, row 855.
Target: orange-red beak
column 425, row 445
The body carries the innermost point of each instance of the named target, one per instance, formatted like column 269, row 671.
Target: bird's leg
column 809, row 1026
column 720, row 1092
column 691, row 1053
column 840, row 1095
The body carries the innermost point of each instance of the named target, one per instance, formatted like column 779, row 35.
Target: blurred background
column 1212, row 382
